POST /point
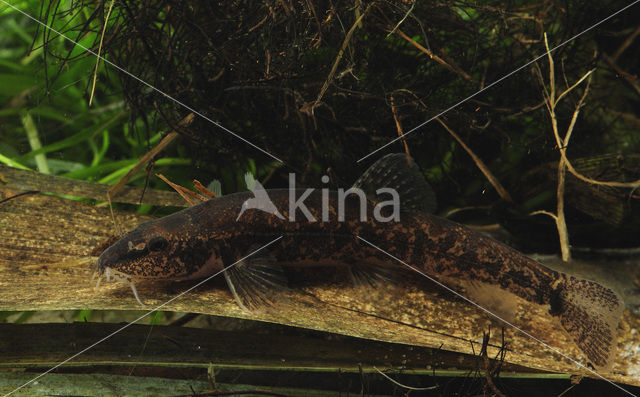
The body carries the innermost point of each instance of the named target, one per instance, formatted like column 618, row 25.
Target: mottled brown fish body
column 201, row 236
column 431, row 244
column 588, row 311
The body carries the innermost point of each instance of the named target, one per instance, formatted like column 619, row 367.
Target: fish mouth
column 112, row 275
column 109, row 273
column 115, row 275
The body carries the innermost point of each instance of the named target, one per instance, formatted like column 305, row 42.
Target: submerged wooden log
column 30, row 346
column 146, row 352
column 49, row 243
column 99, row 385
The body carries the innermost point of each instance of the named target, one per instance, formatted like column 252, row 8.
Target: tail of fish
column 590, row 313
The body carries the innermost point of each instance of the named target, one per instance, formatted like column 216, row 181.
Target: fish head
column 163, row 249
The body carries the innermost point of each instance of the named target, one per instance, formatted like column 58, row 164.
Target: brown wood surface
column 49, row 243
column 31, row 180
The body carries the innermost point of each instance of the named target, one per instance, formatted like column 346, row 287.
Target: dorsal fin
column 398, row 171
column 216, row 187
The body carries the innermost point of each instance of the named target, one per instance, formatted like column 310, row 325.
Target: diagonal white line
column 140, row 318
column 496, row 316
column 189, row 108
column 404, row 136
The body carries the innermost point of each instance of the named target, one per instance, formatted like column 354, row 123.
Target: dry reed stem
column 626, row 44
column 185, row 193
column 504, row 194
column 453, row 68
column 394, row 110
column 202, row 189
column 479, row 163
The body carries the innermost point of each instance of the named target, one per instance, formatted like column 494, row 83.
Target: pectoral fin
column 373, row 275
column 255, row 281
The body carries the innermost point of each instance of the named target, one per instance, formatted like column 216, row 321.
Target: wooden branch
column 42, row 345
column 452, row 67
column 22, row 180
column 551, row 102
column 561, row 222
column 48, row 244
column 103, row 384
column 396, row 118
column 479, row 163
column 625, row 44
column 504, row 194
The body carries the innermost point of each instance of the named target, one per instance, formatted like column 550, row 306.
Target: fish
column 329, row 231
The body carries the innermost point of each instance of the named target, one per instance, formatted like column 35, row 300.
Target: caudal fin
column 590, row 313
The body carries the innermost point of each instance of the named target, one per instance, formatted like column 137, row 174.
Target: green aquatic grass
column 47, row 123
column 12, row 163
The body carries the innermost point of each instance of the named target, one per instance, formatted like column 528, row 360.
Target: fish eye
column 158, row 244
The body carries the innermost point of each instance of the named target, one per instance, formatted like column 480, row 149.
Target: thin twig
column 552, row 75
column 586, row 75
column 551, row 102
column 452, row 67
column 394, row 110
column 4, row 200
column 256, row 26
column 202, row 189
column 95, row 72
column 542, row 212
column 561, row 223
column 488, row 366
column 188, row 195
column 625, row 44
column 346, row 41
column 479, row 163
column 404, row 386
column 562, row 144
column 403, row 18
